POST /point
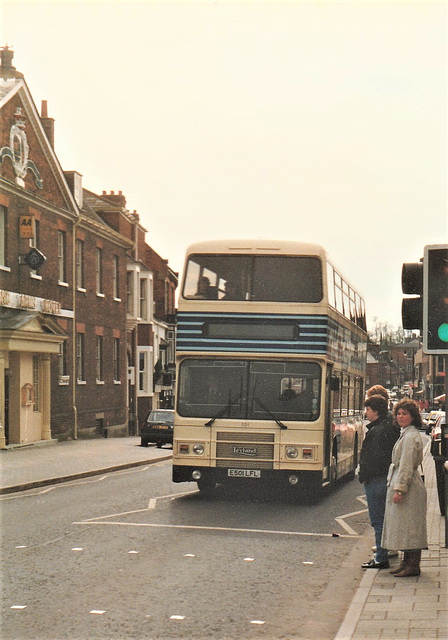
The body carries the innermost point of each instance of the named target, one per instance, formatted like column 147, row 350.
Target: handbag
column 422, row 475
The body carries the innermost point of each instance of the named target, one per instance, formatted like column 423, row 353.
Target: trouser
column 376, row 490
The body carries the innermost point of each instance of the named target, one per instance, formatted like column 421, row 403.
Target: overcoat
column 405, row 523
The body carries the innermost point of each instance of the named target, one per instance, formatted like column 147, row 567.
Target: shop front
column 27, row 342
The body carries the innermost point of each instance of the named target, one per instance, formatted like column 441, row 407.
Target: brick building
column 150, row 312
column 62, row 320
column 87, row 307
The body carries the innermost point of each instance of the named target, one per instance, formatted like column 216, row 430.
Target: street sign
column 34, row 259
column 26, row 226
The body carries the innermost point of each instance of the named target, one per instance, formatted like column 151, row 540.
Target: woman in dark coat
column 373, row 467
column 405, row 518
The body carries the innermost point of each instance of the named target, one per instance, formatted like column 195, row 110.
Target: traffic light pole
column 427, row 282
column 444, row 452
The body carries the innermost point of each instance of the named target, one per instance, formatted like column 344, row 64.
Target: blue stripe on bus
column 313, row 338
column 318, row 335
column 239, row 316
column 257, row 349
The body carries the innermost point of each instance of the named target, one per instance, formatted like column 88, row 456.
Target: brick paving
column 415, row 608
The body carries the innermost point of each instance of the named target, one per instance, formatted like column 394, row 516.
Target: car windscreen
column 161, row 416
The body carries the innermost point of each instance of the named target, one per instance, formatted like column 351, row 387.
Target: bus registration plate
column 244, row 473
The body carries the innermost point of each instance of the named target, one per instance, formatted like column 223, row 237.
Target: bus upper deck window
column 287, row 279
column 259, row 278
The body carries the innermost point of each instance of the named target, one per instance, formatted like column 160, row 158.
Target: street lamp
column 387, row 360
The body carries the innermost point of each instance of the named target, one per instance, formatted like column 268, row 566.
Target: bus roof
column 257, row 246
column 263, row 246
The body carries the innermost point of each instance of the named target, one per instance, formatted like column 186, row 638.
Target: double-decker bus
column 270, row 362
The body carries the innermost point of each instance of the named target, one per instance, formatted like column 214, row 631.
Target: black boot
column 403, row 564
column 413, row 566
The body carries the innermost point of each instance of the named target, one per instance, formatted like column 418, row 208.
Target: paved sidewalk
column 26, row 467
column 389, row 608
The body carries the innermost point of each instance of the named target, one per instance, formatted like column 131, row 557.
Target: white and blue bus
column 270, row 360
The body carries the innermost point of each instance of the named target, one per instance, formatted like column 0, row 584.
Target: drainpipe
column 75, row 408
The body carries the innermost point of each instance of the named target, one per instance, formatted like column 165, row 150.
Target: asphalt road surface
column 132, row 555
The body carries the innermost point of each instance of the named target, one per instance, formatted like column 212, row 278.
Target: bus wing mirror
column 334, row 383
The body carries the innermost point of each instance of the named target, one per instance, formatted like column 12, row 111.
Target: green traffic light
column 442, row 332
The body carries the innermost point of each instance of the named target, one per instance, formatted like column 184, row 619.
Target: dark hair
column 412, row 407
column 377, row 403
column 377, row 390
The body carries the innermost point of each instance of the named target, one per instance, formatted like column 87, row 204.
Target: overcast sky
column 317, row 121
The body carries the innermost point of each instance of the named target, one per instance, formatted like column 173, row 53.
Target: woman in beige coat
column 405, row 517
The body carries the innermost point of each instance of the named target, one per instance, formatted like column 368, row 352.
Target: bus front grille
column 245, row 450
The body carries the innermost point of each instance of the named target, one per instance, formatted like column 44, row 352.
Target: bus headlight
column 293, row 479
column 198, row 449
column 292, row 452
column 196, row 475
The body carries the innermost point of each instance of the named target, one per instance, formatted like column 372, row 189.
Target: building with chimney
column 150, row 312
column 69, row 364
column 87, row 307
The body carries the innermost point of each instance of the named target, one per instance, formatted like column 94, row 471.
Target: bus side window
column 335, row 387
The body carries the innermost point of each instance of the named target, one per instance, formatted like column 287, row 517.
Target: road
column 132, row 555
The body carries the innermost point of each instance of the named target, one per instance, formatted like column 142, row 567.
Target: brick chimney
column 47, row 123
column 7, row 70
column 116, row 198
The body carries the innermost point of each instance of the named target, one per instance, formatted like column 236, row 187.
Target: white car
column 432, row 419
column 425, row 416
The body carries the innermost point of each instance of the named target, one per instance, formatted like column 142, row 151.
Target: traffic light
column 435, row 311
column 412, row 284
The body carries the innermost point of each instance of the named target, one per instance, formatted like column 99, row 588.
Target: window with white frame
column 143, row 306
column 80, row 264
column 130, row 292
column 99, row 358
column 61, row 256
column 80, row 357
column 3, row 229
column 99, row 270
column 34, row 243
column 62, row 363
column 115, row 278
column 116, row 356
column 145, row 371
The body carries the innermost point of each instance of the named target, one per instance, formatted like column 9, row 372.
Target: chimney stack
column 7, row 70
column 117, row 198
column 47, row 123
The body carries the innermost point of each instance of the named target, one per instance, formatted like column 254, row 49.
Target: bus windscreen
column 246, row 389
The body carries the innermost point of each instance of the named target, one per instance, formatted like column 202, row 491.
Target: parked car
column 425, row 416
column 158, row 427
column 433, row 415
column 436, row 434
column 405, row 390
